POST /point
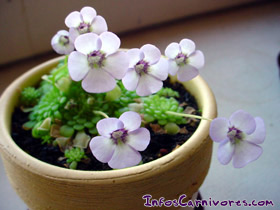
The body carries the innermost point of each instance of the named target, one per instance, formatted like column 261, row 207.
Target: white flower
column 239, row 138
column 147, row 70
column 61, row 43
column 184, row 60
column 120, row 140
column 97, row 62
column 85, row 21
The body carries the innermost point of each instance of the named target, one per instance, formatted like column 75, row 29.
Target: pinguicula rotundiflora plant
column 101, row 98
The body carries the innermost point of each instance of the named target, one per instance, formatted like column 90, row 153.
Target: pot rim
column 204, row 98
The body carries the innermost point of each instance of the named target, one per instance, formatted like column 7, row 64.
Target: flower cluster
column 95, row 59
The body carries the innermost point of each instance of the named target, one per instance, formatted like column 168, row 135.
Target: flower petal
column 172, row 50
column 151, row 52
column 73, row 20
column 245, row 152
column 148, row 85
column 186, row 73
column 78, row 65
column 98, row 81
column 88, row 14
column 110, row 42
column 131, row 80
column 187, row 46
column 87, row 43
column 135, row 55
column 124, row 156
column 139, row 139
column 63, row 33
column 225, row 152
column 259, row 134
column 99, row 25
column 172, row 67
column 73, row 34
column 55, row 39
column 108, row 125
column 117, row 64
column 243, row 121
column 160, row 69
column 131, row 120
column 218, row 129
column 196, row 59
column 102, row 148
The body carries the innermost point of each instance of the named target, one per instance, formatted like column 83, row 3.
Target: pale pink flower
column 61, row 43
column 184, row 60
column 85, row 21
column 120, row 140
column 147, row 70
column 97, row 62
column 238, row 137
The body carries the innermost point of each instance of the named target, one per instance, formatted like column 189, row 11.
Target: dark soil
column 160, row 145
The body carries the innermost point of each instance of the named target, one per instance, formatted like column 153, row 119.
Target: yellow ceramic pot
column 44, row 186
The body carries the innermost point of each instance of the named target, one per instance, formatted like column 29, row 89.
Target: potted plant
column 94, row 63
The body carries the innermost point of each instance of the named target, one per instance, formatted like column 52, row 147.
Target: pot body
column 44, row 186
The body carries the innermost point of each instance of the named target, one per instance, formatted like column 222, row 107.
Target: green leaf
column 78, row 127
column 29, row 125
column 66, row 131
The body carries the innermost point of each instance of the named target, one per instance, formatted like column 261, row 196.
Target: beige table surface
column 241, row 48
